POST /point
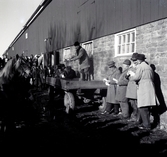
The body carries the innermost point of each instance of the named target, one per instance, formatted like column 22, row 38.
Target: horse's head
column 15, row 68
column 22, row 67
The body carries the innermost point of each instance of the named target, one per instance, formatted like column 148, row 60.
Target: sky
column 13, row 16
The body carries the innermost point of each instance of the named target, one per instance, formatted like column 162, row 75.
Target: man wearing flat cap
column 84, row 63
column 110, row 81
column 111, row 64
column 121, row 90
column 146, row 97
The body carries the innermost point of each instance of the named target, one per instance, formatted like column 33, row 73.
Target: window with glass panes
column 67, row 53
column 125, row 42
column 88, row 46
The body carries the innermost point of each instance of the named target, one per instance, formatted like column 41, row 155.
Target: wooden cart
column 87, row 91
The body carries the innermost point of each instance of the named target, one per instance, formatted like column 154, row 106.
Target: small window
column 125, row 42
column 88, row 46
column 12, row 48
column 66, row 53
column 52, row 59
column 26, row 36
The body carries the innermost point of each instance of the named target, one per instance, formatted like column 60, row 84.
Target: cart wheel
column 102, row 107
column 86, row 101
column 69, row 101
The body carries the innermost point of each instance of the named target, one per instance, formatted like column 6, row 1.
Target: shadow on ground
column 84, row 132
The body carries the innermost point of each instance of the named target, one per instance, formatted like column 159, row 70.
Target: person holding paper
column 113, row 75
column 131, row 91
column 122, row 83
column 146, row 97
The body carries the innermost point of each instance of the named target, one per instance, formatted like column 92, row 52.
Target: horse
column 14, row 86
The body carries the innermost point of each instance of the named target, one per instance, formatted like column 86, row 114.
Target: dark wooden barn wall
column 68, row 20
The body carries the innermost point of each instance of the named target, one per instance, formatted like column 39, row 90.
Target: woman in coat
column 146, row 96
column 131, row 91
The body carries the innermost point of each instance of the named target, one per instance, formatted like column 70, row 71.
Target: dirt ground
column 82, row 132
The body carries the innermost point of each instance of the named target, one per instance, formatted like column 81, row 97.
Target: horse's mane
column 12, row 65
column 7, row 70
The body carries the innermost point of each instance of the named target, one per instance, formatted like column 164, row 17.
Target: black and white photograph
column 83, row 77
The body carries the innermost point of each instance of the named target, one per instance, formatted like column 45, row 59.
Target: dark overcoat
column 121, row 87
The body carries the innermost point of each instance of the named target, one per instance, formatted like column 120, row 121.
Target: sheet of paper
column 115, row 79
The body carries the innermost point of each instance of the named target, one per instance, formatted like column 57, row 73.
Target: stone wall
column 102, row 53
column 151, row 39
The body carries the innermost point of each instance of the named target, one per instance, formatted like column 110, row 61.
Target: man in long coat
column 146, row 96
column 113, row 74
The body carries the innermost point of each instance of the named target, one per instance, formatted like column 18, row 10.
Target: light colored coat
column 111, row 90
column 131, row 91
column 146, row 91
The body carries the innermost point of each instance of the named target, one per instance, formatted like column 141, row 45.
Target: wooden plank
column 118, row 16
column 145, row 11
column 100, row 26
column 154, row 9
column 135, row 13
column 70, row 85
column 126, row 14
column 75, row 84
column 162, row 11
column 109, row 17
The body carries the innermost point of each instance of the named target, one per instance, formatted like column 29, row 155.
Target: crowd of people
column 39, row 71
column 130, row 89
column 131, row 93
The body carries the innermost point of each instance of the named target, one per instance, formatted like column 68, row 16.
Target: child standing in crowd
column 121, row 90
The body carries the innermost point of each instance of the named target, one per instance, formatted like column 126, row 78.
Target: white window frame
column 26, row 35
column 12, row 48
column 84, row 46
column 122, row 43
column 66, row 53
column 52, row 60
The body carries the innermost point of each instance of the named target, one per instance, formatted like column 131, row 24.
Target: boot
column 82, row 77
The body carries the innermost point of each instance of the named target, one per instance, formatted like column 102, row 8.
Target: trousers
column 125, row 109
column 145, row 116
column 84, row 74
column 114, row 107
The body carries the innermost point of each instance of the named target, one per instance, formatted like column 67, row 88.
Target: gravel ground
column 82, row 132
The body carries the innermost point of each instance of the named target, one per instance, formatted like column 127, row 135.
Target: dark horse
column 14, row 86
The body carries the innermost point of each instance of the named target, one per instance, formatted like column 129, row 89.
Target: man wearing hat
column 146, row 97
column 83, row 58
column 113, row 74
column 121, row 90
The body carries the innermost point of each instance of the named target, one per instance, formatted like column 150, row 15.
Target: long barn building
column 108, row 29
